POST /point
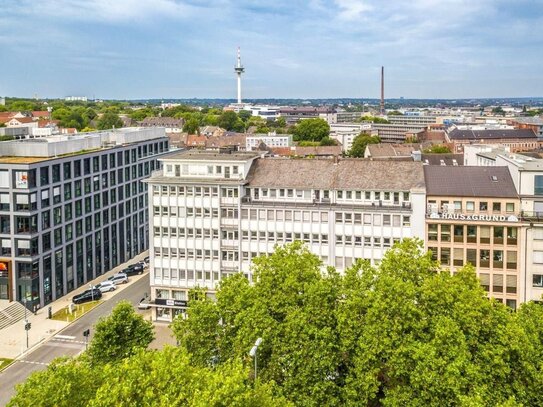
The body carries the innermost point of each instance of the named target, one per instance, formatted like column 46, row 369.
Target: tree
column 498, row 111
column 120, row 335
column 328, row 141
column 311, row 130
column 402, row 333
column 230, row 121
column 358, row 148
column 108, row 121
column 192, row 126
column 149, row 378
column 437, row 149
column 245, row 115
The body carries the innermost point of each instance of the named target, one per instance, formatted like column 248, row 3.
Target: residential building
column 211, row 213
column 532, row 123
column 414, row 120
column 472, row 217
column 72, row 208
column 387, row 151
column 171, row 124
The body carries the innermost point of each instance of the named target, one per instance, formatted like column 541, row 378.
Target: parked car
column 144, row 302
column 146, row 260
column 88, row 295
column 119, row 278
column 133, row 269
column 106, row 286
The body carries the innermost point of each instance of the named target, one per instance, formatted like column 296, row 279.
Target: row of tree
column 399, row 334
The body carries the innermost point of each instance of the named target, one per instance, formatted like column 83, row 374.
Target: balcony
column 531, row 216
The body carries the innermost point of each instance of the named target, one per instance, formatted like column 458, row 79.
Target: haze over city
column 130, row 49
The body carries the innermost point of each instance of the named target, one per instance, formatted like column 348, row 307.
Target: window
column 484, row 258
column 538, row 184
column 537, row 280
column 432, row 232
column 483, row 206
column 510, row 207
column 445, row 233
column 496, row 207
column 470, row 206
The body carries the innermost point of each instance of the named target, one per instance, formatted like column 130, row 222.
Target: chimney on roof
column 382, row 91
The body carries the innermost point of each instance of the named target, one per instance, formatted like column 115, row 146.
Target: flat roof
column 203, row 155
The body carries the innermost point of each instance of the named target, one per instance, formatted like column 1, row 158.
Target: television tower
column 239, row 69
column 382, row 91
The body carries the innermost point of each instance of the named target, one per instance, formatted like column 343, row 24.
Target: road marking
column 33, row 363
column 67, row 340
column 68, row 337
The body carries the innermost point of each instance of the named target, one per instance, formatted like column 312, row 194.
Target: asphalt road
column 69, row 342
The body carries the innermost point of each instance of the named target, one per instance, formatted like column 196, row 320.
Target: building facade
column 72, row 208
column 473, row 217
column 270, row 140
column 211, row 213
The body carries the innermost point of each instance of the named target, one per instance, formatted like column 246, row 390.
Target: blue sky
column 290, row 48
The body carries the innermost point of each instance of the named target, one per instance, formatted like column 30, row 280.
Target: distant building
column 171, row 124
column 532, row 123
column 418, row 120
column 270, row 140
column 397, row 133
column 515, row 139
column 387, row 151
column 295, row 114
column 345, row 133
column 75, row 98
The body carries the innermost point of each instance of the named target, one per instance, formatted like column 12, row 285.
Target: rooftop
column 457, row 134
column 354, row 174
column 199, row 155
column 464, row 181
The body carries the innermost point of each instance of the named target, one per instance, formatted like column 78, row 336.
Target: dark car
column 88, row 295
column 133, row 269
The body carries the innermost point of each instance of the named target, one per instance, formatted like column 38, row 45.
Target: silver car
column 119, row 278
column 106, row 286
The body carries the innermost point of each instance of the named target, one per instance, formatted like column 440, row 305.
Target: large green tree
column 229, row 120
column 311, row 130
column 360, row 143
column 403, row 333
column 120, row 335
column 108, row 121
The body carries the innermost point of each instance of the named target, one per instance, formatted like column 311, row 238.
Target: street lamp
column 92, row 292
column 27, row 324
column 252, row 352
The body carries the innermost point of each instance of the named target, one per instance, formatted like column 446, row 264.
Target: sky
column 139, row 49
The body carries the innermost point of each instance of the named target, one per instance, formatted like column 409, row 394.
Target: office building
column 472, row 217
column 72, row 208
column 211, row 213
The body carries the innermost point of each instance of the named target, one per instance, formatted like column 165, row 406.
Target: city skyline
column 132, row 49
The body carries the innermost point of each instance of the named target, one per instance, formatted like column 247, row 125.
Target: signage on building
column 174, row 303
column 21, row 179
column 474, row 217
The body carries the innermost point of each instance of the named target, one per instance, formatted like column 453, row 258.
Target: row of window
column 219, row 171
column 185, row 191
column 61, row 235
column 480, row 258
column 473, row 234
column 60, row 214
column 471, row 206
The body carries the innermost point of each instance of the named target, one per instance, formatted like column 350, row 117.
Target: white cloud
column 103, row 10
column 352, row 9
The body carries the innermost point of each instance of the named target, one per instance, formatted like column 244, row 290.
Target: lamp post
column 252, row 353
column 27, row 324
column 92, row 292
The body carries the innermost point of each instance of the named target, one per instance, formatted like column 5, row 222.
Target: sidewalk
column 13, row 338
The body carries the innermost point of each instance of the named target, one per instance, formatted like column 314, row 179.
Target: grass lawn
column 5, row 363
column 80, row 309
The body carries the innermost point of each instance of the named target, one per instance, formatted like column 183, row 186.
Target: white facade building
column 271, row 140
column 346, row 132
column 211, row 213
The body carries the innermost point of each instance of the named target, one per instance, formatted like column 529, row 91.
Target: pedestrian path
column 13, row 336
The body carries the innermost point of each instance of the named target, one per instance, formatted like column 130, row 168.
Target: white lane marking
column 68, row 337
column 33, row 363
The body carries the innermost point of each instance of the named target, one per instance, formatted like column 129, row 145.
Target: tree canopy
column 311, row 130
column 403, row 333
column 108, row 121
column 437, row 149
column 120, row 334
column 360, row 142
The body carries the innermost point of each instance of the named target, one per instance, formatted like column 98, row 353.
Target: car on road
column 119, row 278
column 106, row 286
column 146, row 260
column 133, row 269
column 87, row 295
column 144, row 302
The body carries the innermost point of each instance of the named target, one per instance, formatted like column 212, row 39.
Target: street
column 69, row 342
